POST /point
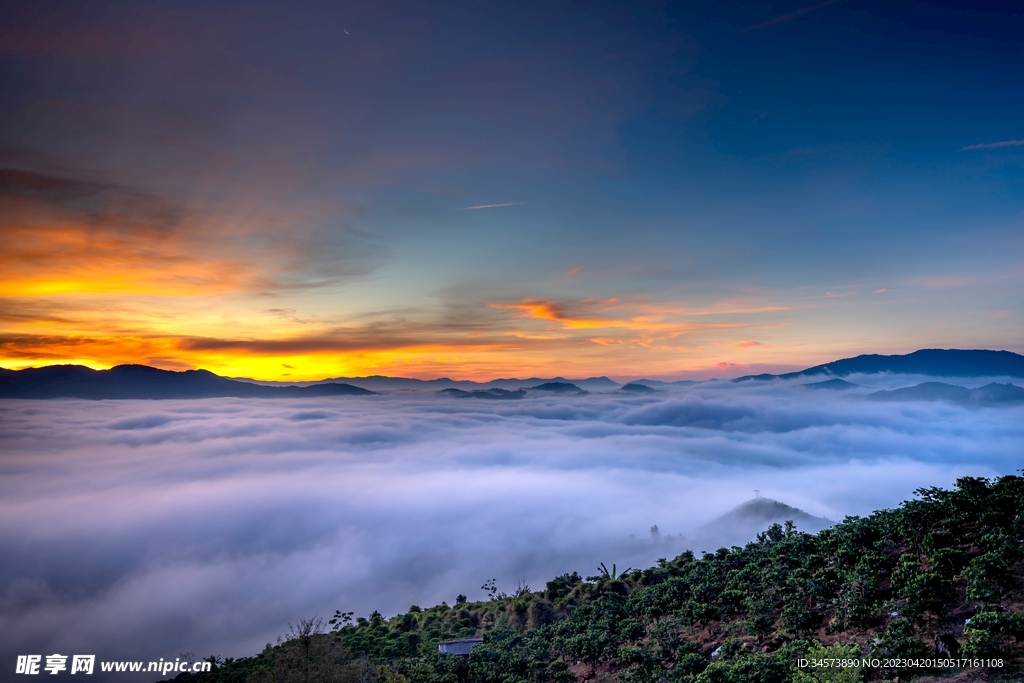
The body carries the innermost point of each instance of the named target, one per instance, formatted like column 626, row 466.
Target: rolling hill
column 930, row 362
column 144, row 382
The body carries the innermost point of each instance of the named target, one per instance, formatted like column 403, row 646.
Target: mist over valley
column 140, row 529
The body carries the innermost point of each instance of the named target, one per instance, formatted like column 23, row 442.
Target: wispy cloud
column 489, row 206
column 994, row 145
column 786, row 17
column 67, row 236
column 607, row 313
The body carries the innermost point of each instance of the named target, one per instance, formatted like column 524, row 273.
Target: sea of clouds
column 143, row 529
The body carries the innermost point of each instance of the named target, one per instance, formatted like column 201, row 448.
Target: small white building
column 459, row 647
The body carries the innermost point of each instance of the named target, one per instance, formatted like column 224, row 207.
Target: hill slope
column 144, row 382
column 931, row 362
column 743, row 523
column 888, row 586
column 383, row 383
column 988, row 395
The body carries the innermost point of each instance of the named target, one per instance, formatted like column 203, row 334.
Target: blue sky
column 675, row 189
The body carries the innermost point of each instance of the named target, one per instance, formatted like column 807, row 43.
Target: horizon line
column 698, row 375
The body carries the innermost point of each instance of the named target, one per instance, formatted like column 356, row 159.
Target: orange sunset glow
column 127, row 280
column 188, row 205
column 116, row 285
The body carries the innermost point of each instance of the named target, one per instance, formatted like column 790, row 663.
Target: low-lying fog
column 142, row 529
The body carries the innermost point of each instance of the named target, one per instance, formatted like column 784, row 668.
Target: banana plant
column 612, row 575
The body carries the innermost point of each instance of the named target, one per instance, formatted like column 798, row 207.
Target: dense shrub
column 886, row 585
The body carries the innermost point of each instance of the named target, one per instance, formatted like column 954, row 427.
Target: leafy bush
column 888, row 582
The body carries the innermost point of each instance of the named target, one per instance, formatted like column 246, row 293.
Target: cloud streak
column 144, row 529
column 786, row 17
column 489, row 206
column 994, row 145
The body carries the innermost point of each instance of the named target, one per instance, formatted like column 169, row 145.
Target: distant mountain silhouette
column 742, row 524
column 997, row 393
column 637, row 388
column 384, row 383
column 928, row 391
column 495, row 393
column 676, row 383
column 144, row 382
column 931, row 362
column 559, row 388
column 990, row 394
column 140, row 381
column 832, row 384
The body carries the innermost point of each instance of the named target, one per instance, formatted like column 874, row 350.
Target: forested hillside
column 943, row 570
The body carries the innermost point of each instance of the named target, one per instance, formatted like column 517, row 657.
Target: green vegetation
column 884, row 586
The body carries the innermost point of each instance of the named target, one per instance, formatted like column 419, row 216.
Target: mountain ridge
column 741, row 524
column 145, row 382
column 989, row 394
column 385, row 383
column 931, row 362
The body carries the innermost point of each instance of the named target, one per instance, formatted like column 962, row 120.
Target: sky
column 138, row 530
column 490, row 189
